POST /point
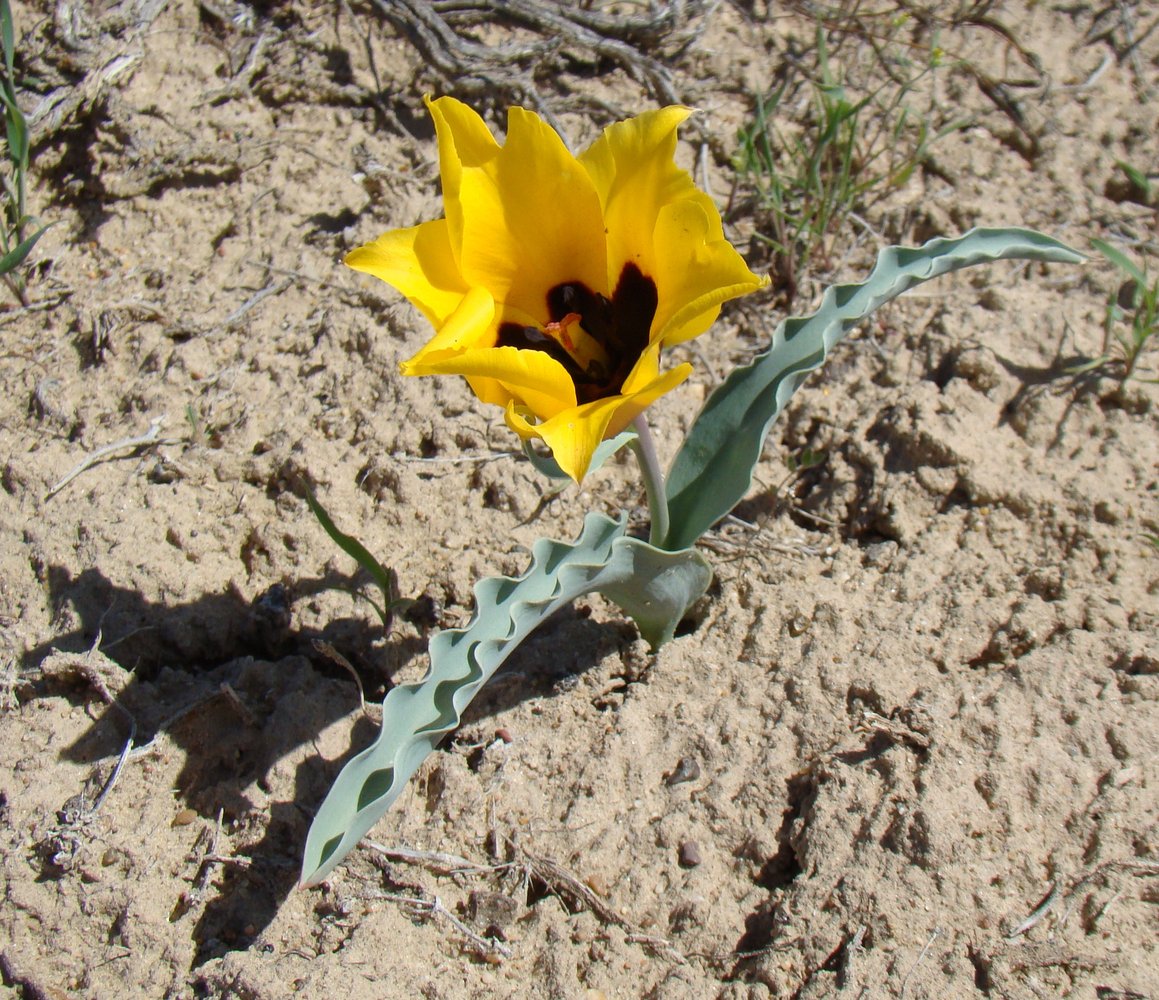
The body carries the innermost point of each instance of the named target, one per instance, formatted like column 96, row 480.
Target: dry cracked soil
column 907, row 746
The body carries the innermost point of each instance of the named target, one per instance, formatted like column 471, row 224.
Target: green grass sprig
column 851, row 155
column 384, row 577
column 15, row 221
column 1131, row 318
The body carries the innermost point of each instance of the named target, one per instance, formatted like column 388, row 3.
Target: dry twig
column 436, row 861
column 1040, row 911
column 435, row 908
column 1057, row 892
column 511, row 69
column 871, row 722
column 918, row 961
column 150, row 439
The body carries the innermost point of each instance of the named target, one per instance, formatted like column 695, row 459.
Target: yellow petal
column 644, row 372
column 574, row 434
column 530, row 219
column 463, row 136
column 464, row 142
column 632, row 168
column 419, row 263
column 698, row 271
column 529, row 378
column 639, row 400
column 657, row 219
column 470, row 327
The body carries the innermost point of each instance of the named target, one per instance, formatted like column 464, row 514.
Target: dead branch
column 114, row 58
column 660, row 26
column 592, row 35
column 436, row 861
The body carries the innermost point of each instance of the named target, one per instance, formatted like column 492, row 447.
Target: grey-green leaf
column 656, row 587
column 714, row 467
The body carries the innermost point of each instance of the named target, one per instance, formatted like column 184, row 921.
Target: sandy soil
column 908, row 746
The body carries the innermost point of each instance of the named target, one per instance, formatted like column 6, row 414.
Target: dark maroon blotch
column 620, row 325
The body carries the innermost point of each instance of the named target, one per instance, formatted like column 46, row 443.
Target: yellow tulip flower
column 554, row 281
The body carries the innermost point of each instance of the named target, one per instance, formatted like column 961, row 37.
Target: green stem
column 645, row 451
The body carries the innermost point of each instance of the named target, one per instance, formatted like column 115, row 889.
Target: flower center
column 596, row 339
column 581, row 346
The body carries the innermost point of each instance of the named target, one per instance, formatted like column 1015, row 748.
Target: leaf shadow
column 1062, row 375
column 241, row 693
column 238, row 691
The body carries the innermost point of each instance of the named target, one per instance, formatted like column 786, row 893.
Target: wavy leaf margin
column 714, row 467
column 656, row 587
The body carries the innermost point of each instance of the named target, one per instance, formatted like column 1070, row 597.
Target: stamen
column 583, row 348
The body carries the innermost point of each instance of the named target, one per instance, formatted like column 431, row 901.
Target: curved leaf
column 656, row 587
column 16, row 255
column 383, row 576
column 713, row 469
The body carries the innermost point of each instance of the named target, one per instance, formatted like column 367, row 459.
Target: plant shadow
column 242, row 693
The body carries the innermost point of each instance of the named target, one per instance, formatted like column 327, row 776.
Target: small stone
column 798, row 625
column 424, row 611
column 687, row 769
column 598, row 884
column 184, row 817
column 879, row 555
column 689, row 855
column 114, row 856
column 491, row 909
column 164, row 472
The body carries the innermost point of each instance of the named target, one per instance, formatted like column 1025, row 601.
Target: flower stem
column 645, row 451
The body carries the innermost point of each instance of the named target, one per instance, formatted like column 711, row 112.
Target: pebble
column 598, row 884
column 687, row 769
column 798, row 625
column 689, row 855
column 184, row 817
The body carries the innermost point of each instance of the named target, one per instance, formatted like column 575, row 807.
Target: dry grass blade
column 436, row 861
column 563, row 882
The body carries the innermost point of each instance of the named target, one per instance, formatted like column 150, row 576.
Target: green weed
column 849, row 155
column 1131, row 318
column 383, row 576
column 807, row 459
column 1142, row 188
column 15, row 221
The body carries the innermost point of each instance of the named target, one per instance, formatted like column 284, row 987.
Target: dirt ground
column 909, row 745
